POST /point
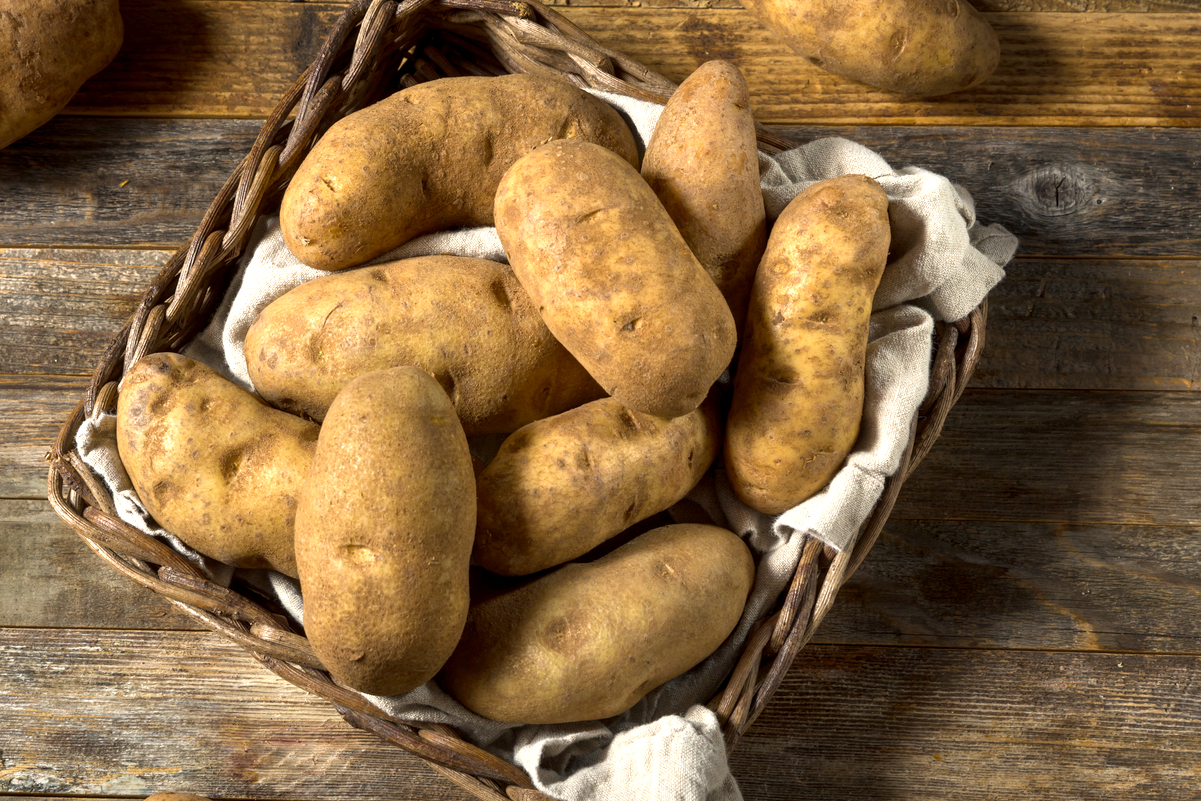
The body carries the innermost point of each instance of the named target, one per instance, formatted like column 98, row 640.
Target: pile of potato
column 595, row 353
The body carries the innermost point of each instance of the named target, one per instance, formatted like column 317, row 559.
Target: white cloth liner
column 669, row 746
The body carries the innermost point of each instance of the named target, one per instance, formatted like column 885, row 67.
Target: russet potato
column 429, row 158
column 384, row 527
column 587, row 641
column 798, row 388
column 560, row 486
column 613, row 278
column 213, row 463
column 466, row 321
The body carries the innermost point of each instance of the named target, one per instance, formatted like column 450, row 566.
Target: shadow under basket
column 377, row 48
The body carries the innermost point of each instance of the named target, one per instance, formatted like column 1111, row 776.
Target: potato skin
column 211, row 462
column 612, row 277
column 48, row 48
column 384, row 527
column 916, row 47
column 703, row 164
column 429, row 158
column 588, row 641
column 798, row 388
column 466, row 321
column 561, row 486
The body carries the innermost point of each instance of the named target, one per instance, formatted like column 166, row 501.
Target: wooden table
column 1029, row 625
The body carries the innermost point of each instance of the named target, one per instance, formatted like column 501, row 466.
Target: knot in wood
column 1056, row 190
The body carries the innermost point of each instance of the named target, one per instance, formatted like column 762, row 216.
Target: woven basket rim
column 525, row 36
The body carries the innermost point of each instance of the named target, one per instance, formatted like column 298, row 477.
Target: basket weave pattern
column 376, row 48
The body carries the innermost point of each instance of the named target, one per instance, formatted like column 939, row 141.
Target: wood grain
column 1017, row 585
column 49, row 577
column 33, row 409
column 136, row 712
column 1065, row 192
column 61, row 308
column 131, row 713
column 1062, row 457
column 223, row 58
column 902, row 723
column 959, row 584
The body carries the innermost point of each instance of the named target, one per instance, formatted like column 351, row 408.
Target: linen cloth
column 669, row 746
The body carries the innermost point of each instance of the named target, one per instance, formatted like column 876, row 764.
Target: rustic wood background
column 1028, row 627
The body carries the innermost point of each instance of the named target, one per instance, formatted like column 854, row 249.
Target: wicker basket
column 376, row 48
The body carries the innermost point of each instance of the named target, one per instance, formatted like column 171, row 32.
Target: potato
column 588, row 641
column 211, row 462
column 915, row 47
column 428, row 158
column 384, row 528
column 798, row 389
column 612, row 277
column 48, row 48
column 466, row 321
column 561, row 486
column 703, row 163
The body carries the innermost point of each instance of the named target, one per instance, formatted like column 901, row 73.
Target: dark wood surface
column 1029, row 625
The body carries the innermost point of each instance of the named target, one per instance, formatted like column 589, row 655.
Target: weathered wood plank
column 50, row 578
column 1003, row 455
column 1056, row 69
column 59, row 309
column 902, row 723
column 132, row 713
column 1064, row 192
column 135, row 183
column 1025, row 586
column 34, row 409
column 128, row 713
column 1083, row 69
column 961, row 584
column 1062, row 457
column 1083, row 324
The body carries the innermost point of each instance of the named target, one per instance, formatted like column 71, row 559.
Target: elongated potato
column 48, row 49
column 703, row 163
column 798, row 388
column 588, row 641
column 916, row 47
column 384, row 527
column 211, row 462
column 561, row 486
column 612, row 277
column 467, row 322
column 428, row 158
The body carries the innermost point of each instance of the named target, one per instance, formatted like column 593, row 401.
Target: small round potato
column 466, row 321
column 561, row 486
column 587, row 641
column 798, row 388
column 613, row 278
column 384, row 527
column 211, row 462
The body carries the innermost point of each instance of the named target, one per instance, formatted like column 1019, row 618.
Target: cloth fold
column 943, row 262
